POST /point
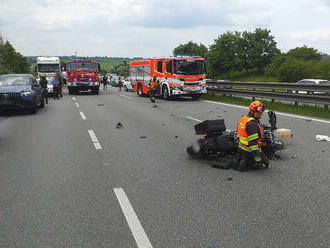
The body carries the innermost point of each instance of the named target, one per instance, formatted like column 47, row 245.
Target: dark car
column 20, row 91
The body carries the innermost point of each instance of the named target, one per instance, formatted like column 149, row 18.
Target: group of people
column 57, row 82
column 105, row 81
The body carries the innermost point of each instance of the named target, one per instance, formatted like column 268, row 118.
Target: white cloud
column 154, row 27
column 312, row 35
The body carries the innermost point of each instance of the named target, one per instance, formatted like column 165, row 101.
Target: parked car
column 127, row 84
column 20, row 91
column 312, row 82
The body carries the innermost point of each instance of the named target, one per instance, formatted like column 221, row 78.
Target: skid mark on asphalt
column 134, row 224
column 279, row 113
column 94, row 139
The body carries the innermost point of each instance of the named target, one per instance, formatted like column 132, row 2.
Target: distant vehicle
column 83, row 75
column 311, row 82
column 20, row 91
column 48, row 67
column 114, row 81
column 178, row 76
column 127, row 85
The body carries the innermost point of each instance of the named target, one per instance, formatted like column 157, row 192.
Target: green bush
column 293, row 70
column 324, row 69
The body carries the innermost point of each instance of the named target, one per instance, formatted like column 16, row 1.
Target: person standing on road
column 56, row 82
column 105, row 82
column 120, row 83
column 43, row 83
column 154, row 84
column 250, row 132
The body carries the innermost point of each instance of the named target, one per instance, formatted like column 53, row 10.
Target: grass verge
column 311, row 111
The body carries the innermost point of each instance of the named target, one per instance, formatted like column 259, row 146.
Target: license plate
column 189, row 89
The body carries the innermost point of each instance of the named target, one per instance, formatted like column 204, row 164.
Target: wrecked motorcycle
column 218, row 141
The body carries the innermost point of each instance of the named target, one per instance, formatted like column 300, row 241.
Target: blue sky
column 146, row 28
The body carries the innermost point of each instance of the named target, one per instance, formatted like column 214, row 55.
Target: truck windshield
column 189, row 67
column 48, row 67
column 81, row 65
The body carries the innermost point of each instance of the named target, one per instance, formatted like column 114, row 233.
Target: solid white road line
column 94, row 139
column 132, row 220
column 194, row 119
column 280, row 113
column 82, row 115
column 126, row 97
column 73, row 98
column 77, row 105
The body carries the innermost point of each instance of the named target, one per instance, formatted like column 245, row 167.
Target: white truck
column 48, row 66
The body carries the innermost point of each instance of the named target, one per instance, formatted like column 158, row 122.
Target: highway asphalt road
column 70, row 178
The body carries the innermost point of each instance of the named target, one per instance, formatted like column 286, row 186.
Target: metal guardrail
column 318, row 94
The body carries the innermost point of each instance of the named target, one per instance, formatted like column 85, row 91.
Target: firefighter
column 154, row 84
column 250, row 132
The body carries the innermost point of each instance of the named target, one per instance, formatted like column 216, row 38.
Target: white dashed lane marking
column 94, row 139
column 134, row 224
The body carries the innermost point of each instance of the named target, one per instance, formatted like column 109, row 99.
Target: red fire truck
column 82, row 75
column 178, row 76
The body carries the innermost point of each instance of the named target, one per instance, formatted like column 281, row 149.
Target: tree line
column 10, row 60
column 244, row 51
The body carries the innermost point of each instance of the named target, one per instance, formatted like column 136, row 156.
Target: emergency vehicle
column 82, row 75
column 48, row 67
column 178, row 76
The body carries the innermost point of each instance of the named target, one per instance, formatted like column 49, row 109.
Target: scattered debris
column 162, row 124
column 322, row 138
column 143, row 137
column 229, row 178
column 106, row 164
column 308, row 120
column 119, row 125
column 100, row 104
column 294, row 156
column 154, row 106
column 176, row 136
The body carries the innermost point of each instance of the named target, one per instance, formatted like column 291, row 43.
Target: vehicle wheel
column 195, row 97
column 34, row 109
column 125, row 88
column 165, row 93
column 96, row 91
column 139, row 91
column 190, row 150
column 70, row 92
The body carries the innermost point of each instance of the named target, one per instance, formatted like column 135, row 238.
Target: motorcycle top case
column 210, row 126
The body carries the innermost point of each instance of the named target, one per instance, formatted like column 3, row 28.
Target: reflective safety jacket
column 154, row 84
column 249, row 132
